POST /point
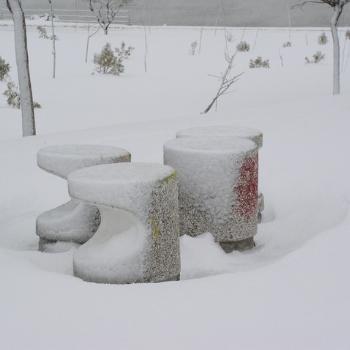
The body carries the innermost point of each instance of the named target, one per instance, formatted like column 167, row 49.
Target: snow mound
column 223, row 130
column 63, row 159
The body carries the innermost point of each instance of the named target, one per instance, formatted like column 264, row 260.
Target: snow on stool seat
column 138, row 238
column 72, row 223
column 218, row 182
column 228, row 131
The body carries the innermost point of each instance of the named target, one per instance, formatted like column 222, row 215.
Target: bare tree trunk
column 200, row 40
column 53, row 40
column 146, row 39
column 289, row 20
column 146, row 50
column 22, row 61
column 336, row 49
column 88, row 41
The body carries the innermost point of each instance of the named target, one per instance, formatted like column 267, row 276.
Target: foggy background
column 208, row 12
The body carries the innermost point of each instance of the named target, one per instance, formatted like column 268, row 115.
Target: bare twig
column 225, row 81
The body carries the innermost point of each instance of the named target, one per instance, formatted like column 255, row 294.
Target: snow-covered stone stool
column 218, row 188
column 228, row 131
column 72, row 223
column 138, row 238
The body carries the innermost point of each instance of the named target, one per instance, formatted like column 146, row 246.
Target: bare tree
column 106, row 11
column 226, row 81
column 53, row 38
column 22, row 61
column 338, row 7
column 89, row 36
column 145, row 36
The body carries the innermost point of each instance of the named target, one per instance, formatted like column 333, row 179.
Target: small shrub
column 259, row 63
column 323, row 39
column 123, row 52
column 193, row 48
column 4, row 69
column 287, row 44
column 12, row 94
column 316, row 58
column 347, row 34
column 13, row 97
column 107, row 62
column 36, row 105
column 111, row 62
column 42, row 32
column 243, row 46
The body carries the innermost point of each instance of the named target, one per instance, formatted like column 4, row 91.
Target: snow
column 290, row 292
column 61, row 160
column 224, row 130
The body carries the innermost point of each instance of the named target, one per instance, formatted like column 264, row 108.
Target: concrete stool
column 218, row 184
column 138, row 238
column 72, row 223
column 228, row 131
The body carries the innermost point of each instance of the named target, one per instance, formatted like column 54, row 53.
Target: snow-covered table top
column 211, row 145
column 111, row 184
column 61, row 160
column 223, row 130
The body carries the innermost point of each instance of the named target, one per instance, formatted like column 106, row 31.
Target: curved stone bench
column 218, row 184
column 72, row 223
column 138, row 238
column 254, row 135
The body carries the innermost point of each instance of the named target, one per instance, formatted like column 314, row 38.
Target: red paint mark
column 247, row 188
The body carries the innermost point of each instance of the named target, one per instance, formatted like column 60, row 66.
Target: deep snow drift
column 290, row 292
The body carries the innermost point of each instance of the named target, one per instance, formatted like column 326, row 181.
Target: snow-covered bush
column 243, row 46
column 323, row 39
column 347, row 34
column 193, row 47
column 287, row 44
column 12, row 94
column 111, row 62
column 259, row 63
column 4, row 69
column 42, row 32
column 13, row 97
column 316, row 58
column 123, row 52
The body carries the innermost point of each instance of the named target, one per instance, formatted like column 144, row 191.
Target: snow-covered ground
column 291, row 292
